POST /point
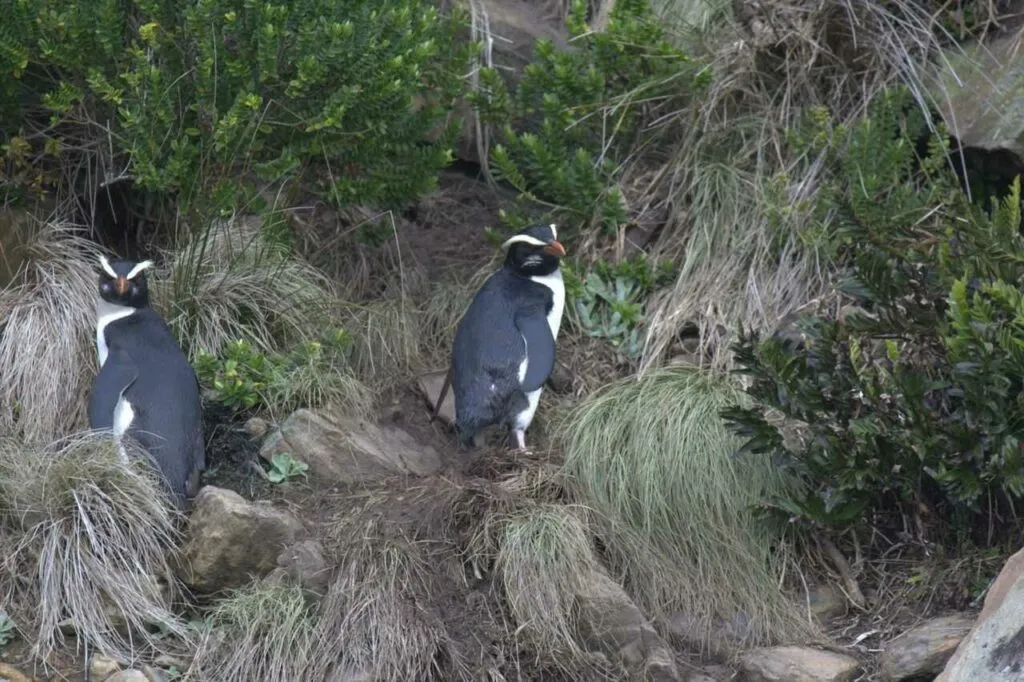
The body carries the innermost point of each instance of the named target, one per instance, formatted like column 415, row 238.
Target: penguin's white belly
column 557, row 286
column 123, row 417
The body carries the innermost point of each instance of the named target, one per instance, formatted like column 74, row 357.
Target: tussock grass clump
column 233, row 281
column 47, row 332
column 88, row 540
column 446, row 304
column 544, row 557
column 379, row 614
column 264, row 631
column 654, row 460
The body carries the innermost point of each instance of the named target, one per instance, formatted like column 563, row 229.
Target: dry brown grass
column 771, row 61
column 231, row 282
column 88, row 540
column 47, row 332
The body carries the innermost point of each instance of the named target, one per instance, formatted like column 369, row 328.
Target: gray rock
column 925, row 649
column 796, row 664
column 303, row 564
column 229, row 540
column 102, row 667
column 128, row 676
column 611, row 624
column 994, row 649
column 826, row 601
column 339, row 449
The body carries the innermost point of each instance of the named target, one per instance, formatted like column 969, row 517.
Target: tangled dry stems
column 47, row 321
column 89, row 540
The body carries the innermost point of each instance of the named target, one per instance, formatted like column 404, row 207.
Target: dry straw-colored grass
column 771, row 61
column 654, row 461
column 47, row 332
column 264, row 631
column 87, row 539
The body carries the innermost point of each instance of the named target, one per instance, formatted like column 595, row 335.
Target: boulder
column 924, row 650
column 230, row 541
column 611, row 624
column 994, row 648
column 796, row 664
column 342, row 450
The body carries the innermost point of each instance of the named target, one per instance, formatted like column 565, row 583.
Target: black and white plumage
column 145, row 389
column 504, row 347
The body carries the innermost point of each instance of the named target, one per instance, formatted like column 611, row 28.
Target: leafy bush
column 172, row 94
column 310, row 375
column 911, row 397
column 575, row 117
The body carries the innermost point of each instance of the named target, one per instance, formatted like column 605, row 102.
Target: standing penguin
column 146, row 387
column 504, row 347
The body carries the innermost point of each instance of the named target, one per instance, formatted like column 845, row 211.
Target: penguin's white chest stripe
column 557, row 285
column 123, row 417
column 105, row 314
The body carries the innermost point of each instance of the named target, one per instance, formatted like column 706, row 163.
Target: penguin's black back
column 168, row 419
column 488, row 350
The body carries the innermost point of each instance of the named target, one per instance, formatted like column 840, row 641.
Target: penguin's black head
column 123, row 282
column 534, row 251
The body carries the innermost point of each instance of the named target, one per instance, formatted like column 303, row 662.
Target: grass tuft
column 545, row 556
column 378, row 616
column 264, row 631
column 232, row 281
column 655, row 462
column 386, row 340
column 88, row 540
column 47, row 332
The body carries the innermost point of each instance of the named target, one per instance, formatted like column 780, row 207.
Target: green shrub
column 912, row 397
column 577, row 116
column 311, row 375
column 177, row 94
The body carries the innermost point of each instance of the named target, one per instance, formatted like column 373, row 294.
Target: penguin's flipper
column 117, row 374
column 540, row 347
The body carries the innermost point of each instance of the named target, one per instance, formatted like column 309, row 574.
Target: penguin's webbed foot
column 518, row 441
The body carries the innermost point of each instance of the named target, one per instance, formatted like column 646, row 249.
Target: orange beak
column 555, row 248
column 121, row 286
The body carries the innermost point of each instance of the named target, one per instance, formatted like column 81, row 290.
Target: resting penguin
column 504, row 347
column 146, row 387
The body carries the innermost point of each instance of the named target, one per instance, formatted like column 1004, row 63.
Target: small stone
column 128, row 676
column 826, row 601
column 256, row 427
column 102, row 667
column 168, row 662
column 154, row 674
column 796, row 664
column 430, row 386
column 11, row 674
column 924, row 650
column 304, row 563
column 560, row 380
